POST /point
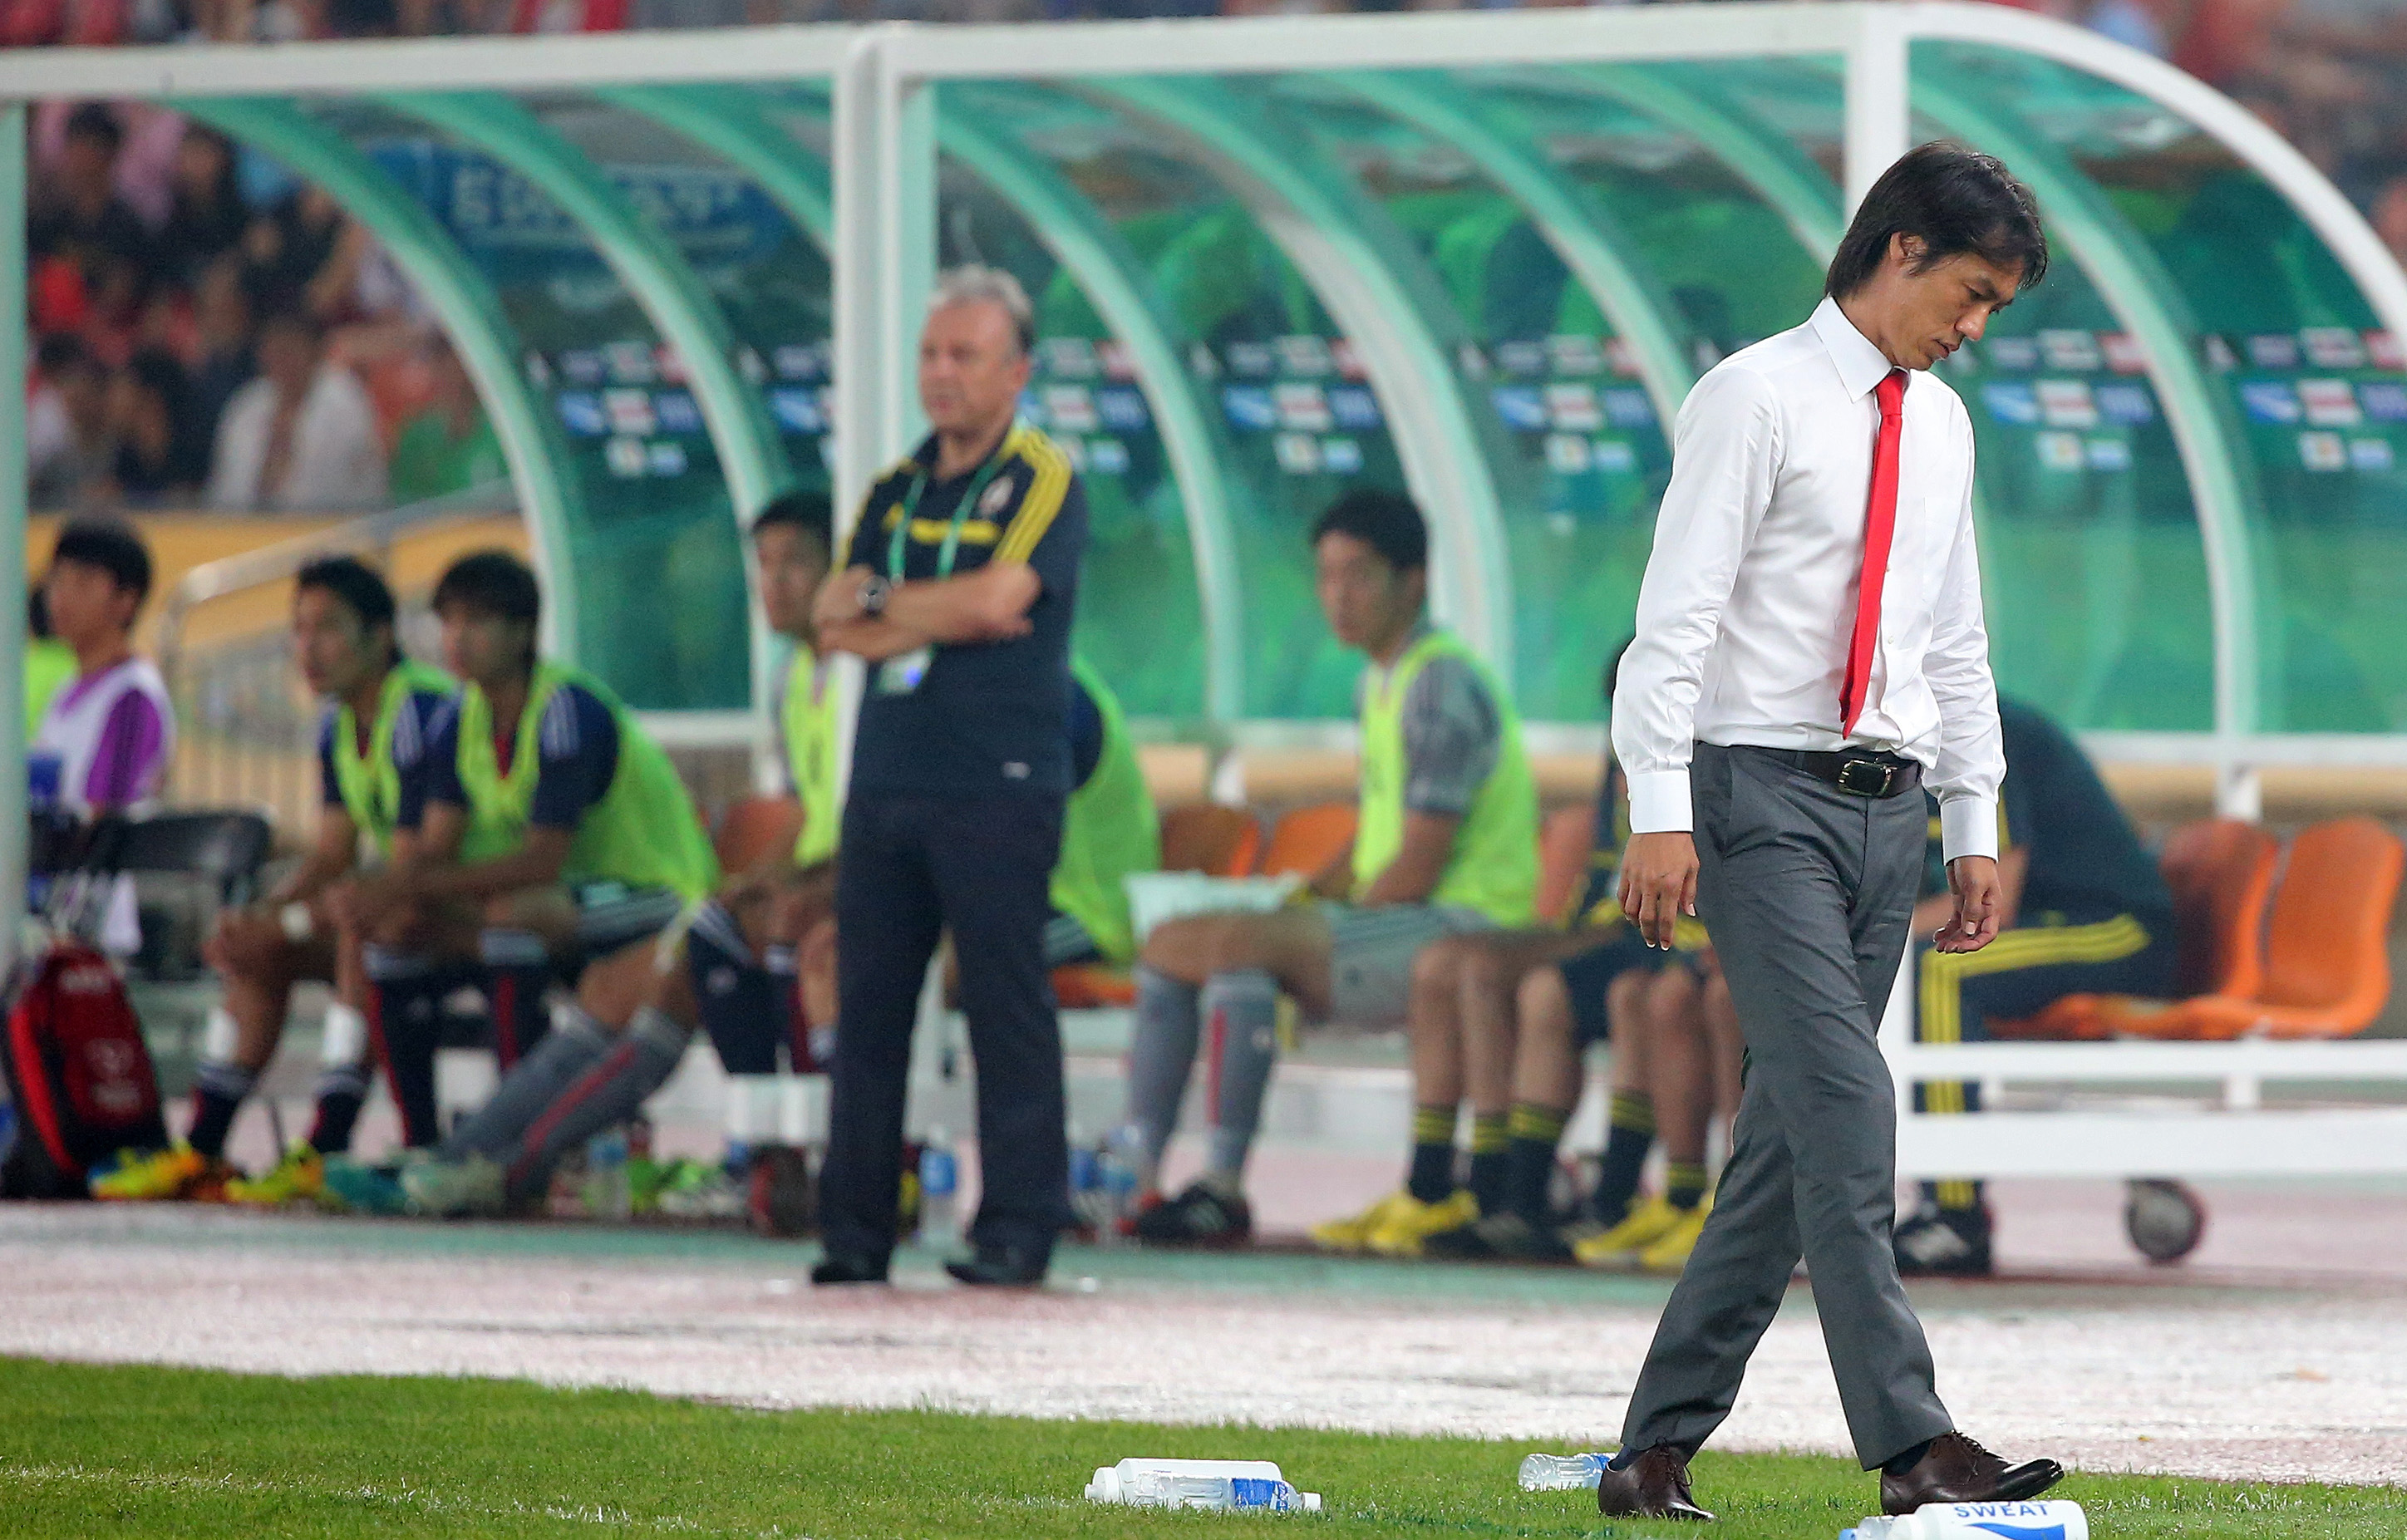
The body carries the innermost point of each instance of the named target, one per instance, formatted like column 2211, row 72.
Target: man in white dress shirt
column 1809, row 648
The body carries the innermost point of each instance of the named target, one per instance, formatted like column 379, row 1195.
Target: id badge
column 900, row 674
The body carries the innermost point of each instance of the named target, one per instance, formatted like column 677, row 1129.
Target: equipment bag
column 79, row 1075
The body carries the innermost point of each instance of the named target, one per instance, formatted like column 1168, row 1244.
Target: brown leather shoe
column 1955, row 1469
column 1653, row 1485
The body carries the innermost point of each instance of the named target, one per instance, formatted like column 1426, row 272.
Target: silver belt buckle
column 1866, row 777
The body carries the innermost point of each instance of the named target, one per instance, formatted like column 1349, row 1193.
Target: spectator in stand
column 205, row 216
column 78, row 220
column 67, row 443
column 157, row 459
column 303, row 435
column 285, row 250
column 221, row 320
column 447, row 447
column 2390, row 215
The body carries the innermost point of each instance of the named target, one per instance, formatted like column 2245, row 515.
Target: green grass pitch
column 108, row 1451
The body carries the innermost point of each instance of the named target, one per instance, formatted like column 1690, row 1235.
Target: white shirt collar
column 1861, row 364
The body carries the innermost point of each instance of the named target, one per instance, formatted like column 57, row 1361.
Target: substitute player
column 379, row 710
column 1447, row 844
column 551, row 830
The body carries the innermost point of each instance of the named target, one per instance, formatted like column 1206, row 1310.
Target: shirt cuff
column 1659, row 803
column 1968, row 826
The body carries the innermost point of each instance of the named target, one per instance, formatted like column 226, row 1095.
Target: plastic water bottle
column 1561, row 1472
column 2058, row 1520
column 1253, row 1485
column 939, row 1180
column 609, row 1194
column 1086, row 1181
column 1116, row 1163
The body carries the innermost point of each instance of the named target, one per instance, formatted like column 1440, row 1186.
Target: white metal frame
column 2219, row 1127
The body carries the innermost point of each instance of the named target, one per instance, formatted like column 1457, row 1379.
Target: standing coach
column 957, row 589
column 1809, row 646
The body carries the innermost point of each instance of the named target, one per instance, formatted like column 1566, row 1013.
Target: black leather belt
column 1862, row 772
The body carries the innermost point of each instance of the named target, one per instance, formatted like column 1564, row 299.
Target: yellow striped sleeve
column 1043, row 499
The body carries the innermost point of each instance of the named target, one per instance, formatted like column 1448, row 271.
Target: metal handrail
column 375, row 532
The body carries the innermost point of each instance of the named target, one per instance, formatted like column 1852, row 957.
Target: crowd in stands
column 209, row 332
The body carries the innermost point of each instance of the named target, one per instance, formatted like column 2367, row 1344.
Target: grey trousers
column 1808, row 892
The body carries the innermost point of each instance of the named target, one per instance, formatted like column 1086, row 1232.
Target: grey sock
column 533, row 1083
column 1160, row 1057
column 612, row 1091
column 1242, row 1009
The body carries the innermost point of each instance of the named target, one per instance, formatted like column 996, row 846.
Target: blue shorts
column 1589, row 973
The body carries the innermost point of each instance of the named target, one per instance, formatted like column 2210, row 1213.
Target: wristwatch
column 874, row 591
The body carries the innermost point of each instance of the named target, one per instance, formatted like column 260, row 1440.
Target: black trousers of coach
column 914, row 867
column 1808, row 892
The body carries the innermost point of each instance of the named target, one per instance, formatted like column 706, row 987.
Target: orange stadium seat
column 756, row 828
column 2221, row 874
column 1208, row 839
column 2327, row 962
column 1201, row 837
column 1564, row 842
column 1306, row 840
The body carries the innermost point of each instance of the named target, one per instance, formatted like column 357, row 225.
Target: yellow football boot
column 1670, row 1252
column 1353, row 1232
column 178, row 1172
column 1411, row 1221
column 1641, row 1228
column 299, row 1178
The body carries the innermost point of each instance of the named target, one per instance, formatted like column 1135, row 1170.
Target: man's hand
column 839, row 597
column 1659, row 883
column 362, row 903
column 1980, row 906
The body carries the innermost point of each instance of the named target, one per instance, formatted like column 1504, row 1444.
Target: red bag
column 79, row 1074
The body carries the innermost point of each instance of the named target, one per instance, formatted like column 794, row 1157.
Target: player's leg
column 410, row 960
column 1433, row 1034
column 1630, row 1120
column 615, row 1046
column 1216, row 979
column 1681, row 1066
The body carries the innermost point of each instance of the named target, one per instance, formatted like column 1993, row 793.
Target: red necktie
column 1880, row 524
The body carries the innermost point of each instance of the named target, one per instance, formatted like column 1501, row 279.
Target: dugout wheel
column 2164, row 1218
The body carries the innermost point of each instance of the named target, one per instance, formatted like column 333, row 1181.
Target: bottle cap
column 1311, row 1502
column 1106, row 1487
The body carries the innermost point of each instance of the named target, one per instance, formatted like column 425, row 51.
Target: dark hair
column 359, row 589
column 159, row 372
column 490, row 583
column 93, row 120
column 1385, row 520
column 62, row 353
column 808, row 511
column 1951, row 199
column 1613, row 667
column 111, row 547
column 38, row 614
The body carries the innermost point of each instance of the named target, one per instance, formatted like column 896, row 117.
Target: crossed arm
column 989, row 605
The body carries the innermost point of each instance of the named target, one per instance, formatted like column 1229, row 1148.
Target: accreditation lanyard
column 961, row 512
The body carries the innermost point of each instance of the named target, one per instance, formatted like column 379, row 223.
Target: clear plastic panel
column 2317, row 392
column 1140, row 621
column 1302, row 421
column 1584, row 457
column 657, row 536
